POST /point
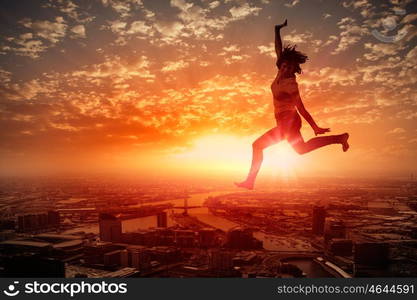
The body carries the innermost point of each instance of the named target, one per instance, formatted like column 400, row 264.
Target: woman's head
column 291, row 59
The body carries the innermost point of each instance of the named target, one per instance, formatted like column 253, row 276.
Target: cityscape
column 102, row 227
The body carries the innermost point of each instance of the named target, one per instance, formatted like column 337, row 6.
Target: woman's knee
column 257, row 145
column 299, row 148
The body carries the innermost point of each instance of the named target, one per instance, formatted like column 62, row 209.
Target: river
column 270, row 242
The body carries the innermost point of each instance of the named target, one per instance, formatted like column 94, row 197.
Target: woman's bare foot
column 344, row 142
column 245, row 184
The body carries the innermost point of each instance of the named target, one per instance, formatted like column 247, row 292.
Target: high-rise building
column 242, row 238
column 124, row 258
column 135, row 254
column 21, row 223
column 112, row 258
column 185, row 213
column 37, row 221
column 33, row 265
column 141, row 259
column 334, row 229
column 371, row 253
column 319, row 217
column 207, row 237
column 184, row 238
column 53, row 218
column 162, row 219
column 110, row 228
column 341, row 247
column 220, row 260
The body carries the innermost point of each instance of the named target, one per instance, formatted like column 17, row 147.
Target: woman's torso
column 283, row 91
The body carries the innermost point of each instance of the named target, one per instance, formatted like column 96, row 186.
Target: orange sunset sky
column 182, row 87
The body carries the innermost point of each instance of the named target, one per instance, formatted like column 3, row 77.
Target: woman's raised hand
column 279, row 26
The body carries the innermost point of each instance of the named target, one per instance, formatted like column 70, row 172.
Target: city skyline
column 182, row 87
column 102, row 228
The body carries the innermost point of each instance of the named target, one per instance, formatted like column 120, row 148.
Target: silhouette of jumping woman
column 287, row 102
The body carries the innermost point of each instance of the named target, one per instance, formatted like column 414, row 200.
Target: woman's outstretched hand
column 319, row 130
column 279, row 26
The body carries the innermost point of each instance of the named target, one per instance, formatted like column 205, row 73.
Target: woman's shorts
column 289, row 122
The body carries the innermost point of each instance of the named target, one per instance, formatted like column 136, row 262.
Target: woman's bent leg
column 269, row 138
column 302, row 147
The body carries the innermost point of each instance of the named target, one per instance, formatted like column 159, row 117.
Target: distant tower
column 110, row 228
column 53, row 218
column 162, row 219
column 319, row 217
column 185, row 213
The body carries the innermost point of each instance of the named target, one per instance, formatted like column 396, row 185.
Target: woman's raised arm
column 278, row 42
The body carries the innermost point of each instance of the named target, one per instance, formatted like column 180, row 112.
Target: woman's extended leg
column 297, row 142
column 269, row 138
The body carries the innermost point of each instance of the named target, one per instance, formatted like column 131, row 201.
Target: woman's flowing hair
column 289, row 54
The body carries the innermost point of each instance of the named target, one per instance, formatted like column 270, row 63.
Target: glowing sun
column 233, row 153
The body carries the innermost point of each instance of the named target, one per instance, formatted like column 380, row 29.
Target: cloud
column 407, row 114
column 330, row 40
column 140, row 27
column 364, row 6
column 97, row 110
column 181, row 4
column 5, row 76
column 51, row 31
column 195, row 21
column 117, row 26
column 29, row 90
column 231, row 48
column 331, row 76
column 235, row 58
column 125, row 32
column 214, row 4
column 70, row 10
column 123, row 8
column 115, row 69
column 378, row 51
column 397, row 130
column 190, row 20
column 243, row 11
column 297, row 38
column 24, row 46
column 350, row 35
column 170, row 31
column 394, row 71
column 307, row 40
column 292, row 3
column 267, row 49
column 45, row 34
column 409, row 18
column 174, row 66
column 79, row 31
